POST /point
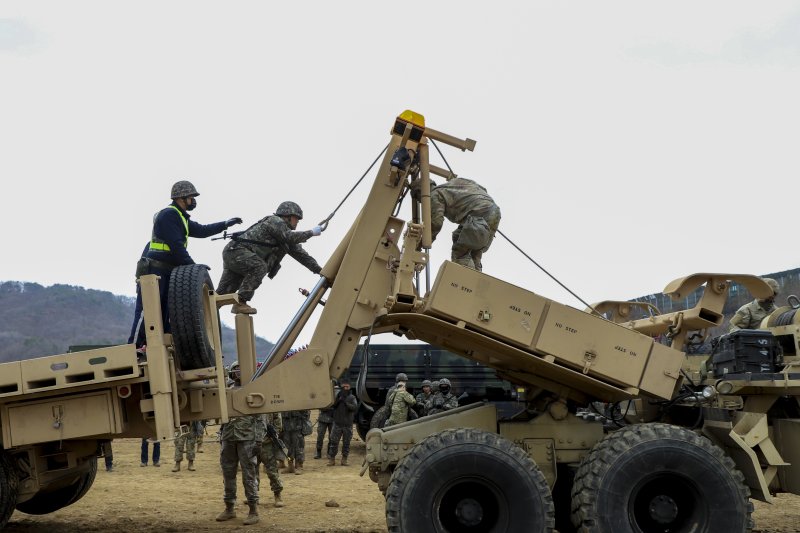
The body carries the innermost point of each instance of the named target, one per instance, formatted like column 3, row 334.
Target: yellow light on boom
column 412, row 117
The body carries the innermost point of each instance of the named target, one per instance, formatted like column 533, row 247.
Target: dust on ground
column 149, row 499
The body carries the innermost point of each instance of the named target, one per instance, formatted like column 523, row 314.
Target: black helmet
column 400, row 377
column 183, row 189
column 288, row 209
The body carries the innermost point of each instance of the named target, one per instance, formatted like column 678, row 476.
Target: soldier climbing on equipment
column 750, row 315
column 257, row 252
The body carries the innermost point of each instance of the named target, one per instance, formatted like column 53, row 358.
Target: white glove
column 316, row 231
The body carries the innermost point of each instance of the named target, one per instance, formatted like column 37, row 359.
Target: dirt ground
column 151, row 499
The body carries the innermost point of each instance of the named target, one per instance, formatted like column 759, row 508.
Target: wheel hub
column 469, row 512
column 663, row 509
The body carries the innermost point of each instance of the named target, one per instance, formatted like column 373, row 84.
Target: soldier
column 156, row 452
column 240, row 445
column 258, row 251
column 401, row 402
column 296, row 425
column 270, row 452
column 344, row 411
column 423, row 397
column 201, row 435
column 401, row 376
column 172, row 227
column 464, row 202
column 324, row 425
column 443, row 400
column 749, row 316
column 187, row 443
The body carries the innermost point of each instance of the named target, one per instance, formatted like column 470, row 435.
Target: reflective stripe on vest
column 158, row 244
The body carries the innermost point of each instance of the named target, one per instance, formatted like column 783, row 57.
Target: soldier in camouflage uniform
column 464, row 202
column 423, row 397
column 258, row 251
column 443, row 399
column 270, row 451
column 344, row 411
column 296, row 425
column 401, row 401
column 324, row 425
column 240, row 445
column 400, row 376
column 187, row 443
column 749, row 316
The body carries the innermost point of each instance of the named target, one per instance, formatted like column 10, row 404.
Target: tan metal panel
column 79, row 368
column 662, row 372
column 787, row 440
column 594, row 345
column 486, row 303
column 59, row 419
column 10, row 379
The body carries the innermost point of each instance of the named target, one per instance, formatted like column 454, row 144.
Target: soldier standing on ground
column 401, row 402
column 324, row 425
column 270, row 451
column 240, row 445
column 258, row 251
column 172, row 227
column 464, row 202
column 187, row 443
column 749, row 316
column 423, row 397
column 344, row 411
column 296, row 425
column 156, row 452
column 443, row 399
column 400, row 376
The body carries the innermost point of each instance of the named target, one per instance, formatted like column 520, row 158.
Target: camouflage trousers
column 322, row 428
column 296, row 443
column 270, row 460
column 185, row 443
column 344, row 433
column 474, row 236
column 232, row 455
column 242, row 271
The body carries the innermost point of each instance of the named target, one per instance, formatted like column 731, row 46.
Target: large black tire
column 465, row 481
column 190, row 316
column 380, row 417
column 51, row 501
column 654, row 478
column 9, row 483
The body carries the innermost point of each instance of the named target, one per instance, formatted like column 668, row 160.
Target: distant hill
column 37, row 320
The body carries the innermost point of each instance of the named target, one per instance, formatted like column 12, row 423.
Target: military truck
column 467, row 469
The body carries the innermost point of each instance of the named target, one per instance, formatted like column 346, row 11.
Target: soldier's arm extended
column 205, row 230
column 437, row 213
column 290, row 241
column 739, row 320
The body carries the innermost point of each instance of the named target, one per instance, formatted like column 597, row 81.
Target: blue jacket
column 169, row 228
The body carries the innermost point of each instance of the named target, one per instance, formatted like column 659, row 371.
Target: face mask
column 192, row 204
column 444, row 389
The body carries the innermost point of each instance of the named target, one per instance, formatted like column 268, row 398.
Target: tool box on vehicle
column 745, row 351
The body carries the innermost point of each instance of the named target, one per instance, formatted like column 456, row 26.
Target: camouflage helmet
column 444, row 381
column 773, row 285
column 435, row 384
column 182, row 189
column 235, row 371
column 426, row 383
column 401, row 376
column 289, row 209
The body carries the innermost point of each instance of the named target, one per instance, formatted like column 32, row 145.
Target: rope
column 442, row 156
column 324, row 223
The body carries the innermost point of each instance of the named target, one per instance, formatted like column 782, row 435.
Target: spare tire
column 191, row 316
column 380, row 417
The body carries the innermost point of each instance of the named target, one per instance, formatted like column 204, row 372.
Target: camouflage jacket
column 441, row 402
column 454, row 200
column 279, row 240
column 401, row 401
column 294, row 420
column 276, row 421
column 244, row 428
column 422, row 399
column 749, row 316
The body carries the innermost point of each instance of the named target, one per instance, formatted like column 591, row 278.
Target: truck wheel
column 468, row 480
column 190, row 316
column 9, row 483
column 50, row 501
column 659, row 478
column 380, row 417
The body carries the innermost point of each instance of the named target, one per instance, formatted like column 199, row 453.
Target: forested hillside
column 37, row 320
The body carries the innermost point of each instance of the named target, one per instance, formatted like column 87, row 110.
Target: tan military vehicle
column 686, row 452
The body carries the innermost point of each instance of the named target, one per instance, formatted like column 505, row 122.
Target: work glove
column 316, row 231
column 232, row 222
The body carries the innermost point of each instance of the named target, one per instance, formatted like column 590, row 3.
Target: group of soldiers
column 403, row 406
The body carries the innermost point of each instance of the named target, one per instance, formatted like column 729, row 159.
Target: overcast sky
column 627, row 143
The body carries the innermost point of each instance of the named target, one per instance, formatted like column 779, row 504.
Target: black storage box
column 745, row 351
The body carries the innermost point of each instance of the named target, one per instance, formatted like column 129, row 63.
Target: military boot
column 318, row 455
column 331, row 461
column 252, row 516
column 298, row 469
column 228, row 513
column 290, row 467
column 177, row 467
column 278, row 500
column 190, row 466
column 344, row 461
column 244, row 309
